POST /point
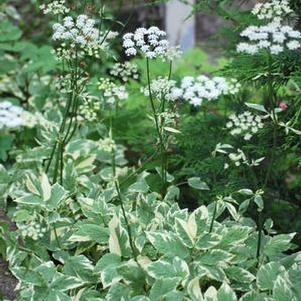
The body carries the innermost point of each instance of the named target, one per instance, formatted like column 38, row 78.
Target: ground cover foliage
column 134, row 172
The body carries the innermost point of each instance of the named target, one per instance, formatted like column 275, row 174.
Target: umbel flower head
column 245, row 124
column 196, row 90
column 151, row 42
column 274, row 10
column 112, row 93
column 82, row 33
column 273, row 37
column 161, row 88
column 11, row 116
column 125, row 71
column 55, row 7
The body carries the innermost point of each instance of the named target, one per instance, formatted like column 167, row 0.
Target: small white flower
column 272, row 37
column 151, row 42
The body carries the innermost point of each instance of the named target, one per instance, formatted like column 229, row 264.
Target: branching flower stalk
column 159, row 125
column 66, row 131
column 120, row 198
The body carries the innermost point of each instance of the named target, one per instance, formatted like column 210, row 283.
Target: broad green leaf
column 56, row 197
column 165, row 269
column 239, row 274
column 208, row 241
column 167, row 243
column 267, row 275
column 212, row 272
column 107, row 267
column 186, row 232
column 119, row 243
column 118, row 292
column 282, row 290
column 214, row 257
column 80, row 267
column 90, row 232
column 30, row 200
column 256, row 106
column 254, row 296
column 259, row 202
column 278, row 244
column 196, row 183
column 225, row 293
column 132, row 274
column 163, row 286
column 234, row 236
column 141, row 186
column 46, row 188
column 194, row 290
column 211, row 294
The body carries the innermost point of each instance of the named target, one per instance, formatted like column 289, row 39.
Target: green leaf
column 80, row 267
column 196, row 183
column 107, row 267
column 90, row 232
column 267, row 275
column 214, row 257
column 208, row 241
column 22, row 215
column 132, row 273
column 212, row 272
column 163, row 286
column 30, row 200
column 282, row 290
column 257, row 107
column 239, row 274
column 141, row 186
column 119, row 243
column 234, row 236
column 46, row 188
column 165, row 269
column 56, row 197
column 5, row 144
column 194, row 290
column 167, row 243
column 259, row 202
column 118, row 292
column 186, row 232
column 278, row 244
column 225, row 293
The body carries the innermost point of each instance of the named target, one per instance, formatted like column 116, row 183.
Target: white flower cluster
column 161, row 88
column 233, row 86
column 196, row 90
column 89, row 108
column 272, row 37
column 55, row 7
column 11, row 116
column 125, row 71
column 151, row 42
column 32, row 229
column 82, row 33
column 236, row 156
column 107, row 145
column 245, row 124
column 274, row 10
column 112, row 92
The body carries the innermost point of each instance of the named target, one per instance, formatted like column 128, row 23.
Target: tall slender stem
column 161, row 141
column 213, row 217
column 259, row 236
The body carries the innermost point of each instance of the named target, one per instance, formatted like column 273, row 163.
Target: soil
column 7, row 280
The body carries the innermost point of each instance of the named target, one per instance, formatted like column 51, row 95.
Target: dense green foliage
column 119, row 193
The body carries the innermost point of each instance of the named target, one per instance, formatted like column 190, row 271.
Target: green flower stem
column 260, row 222
column 122, row 206
column 161, row 140
column 213, row 217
